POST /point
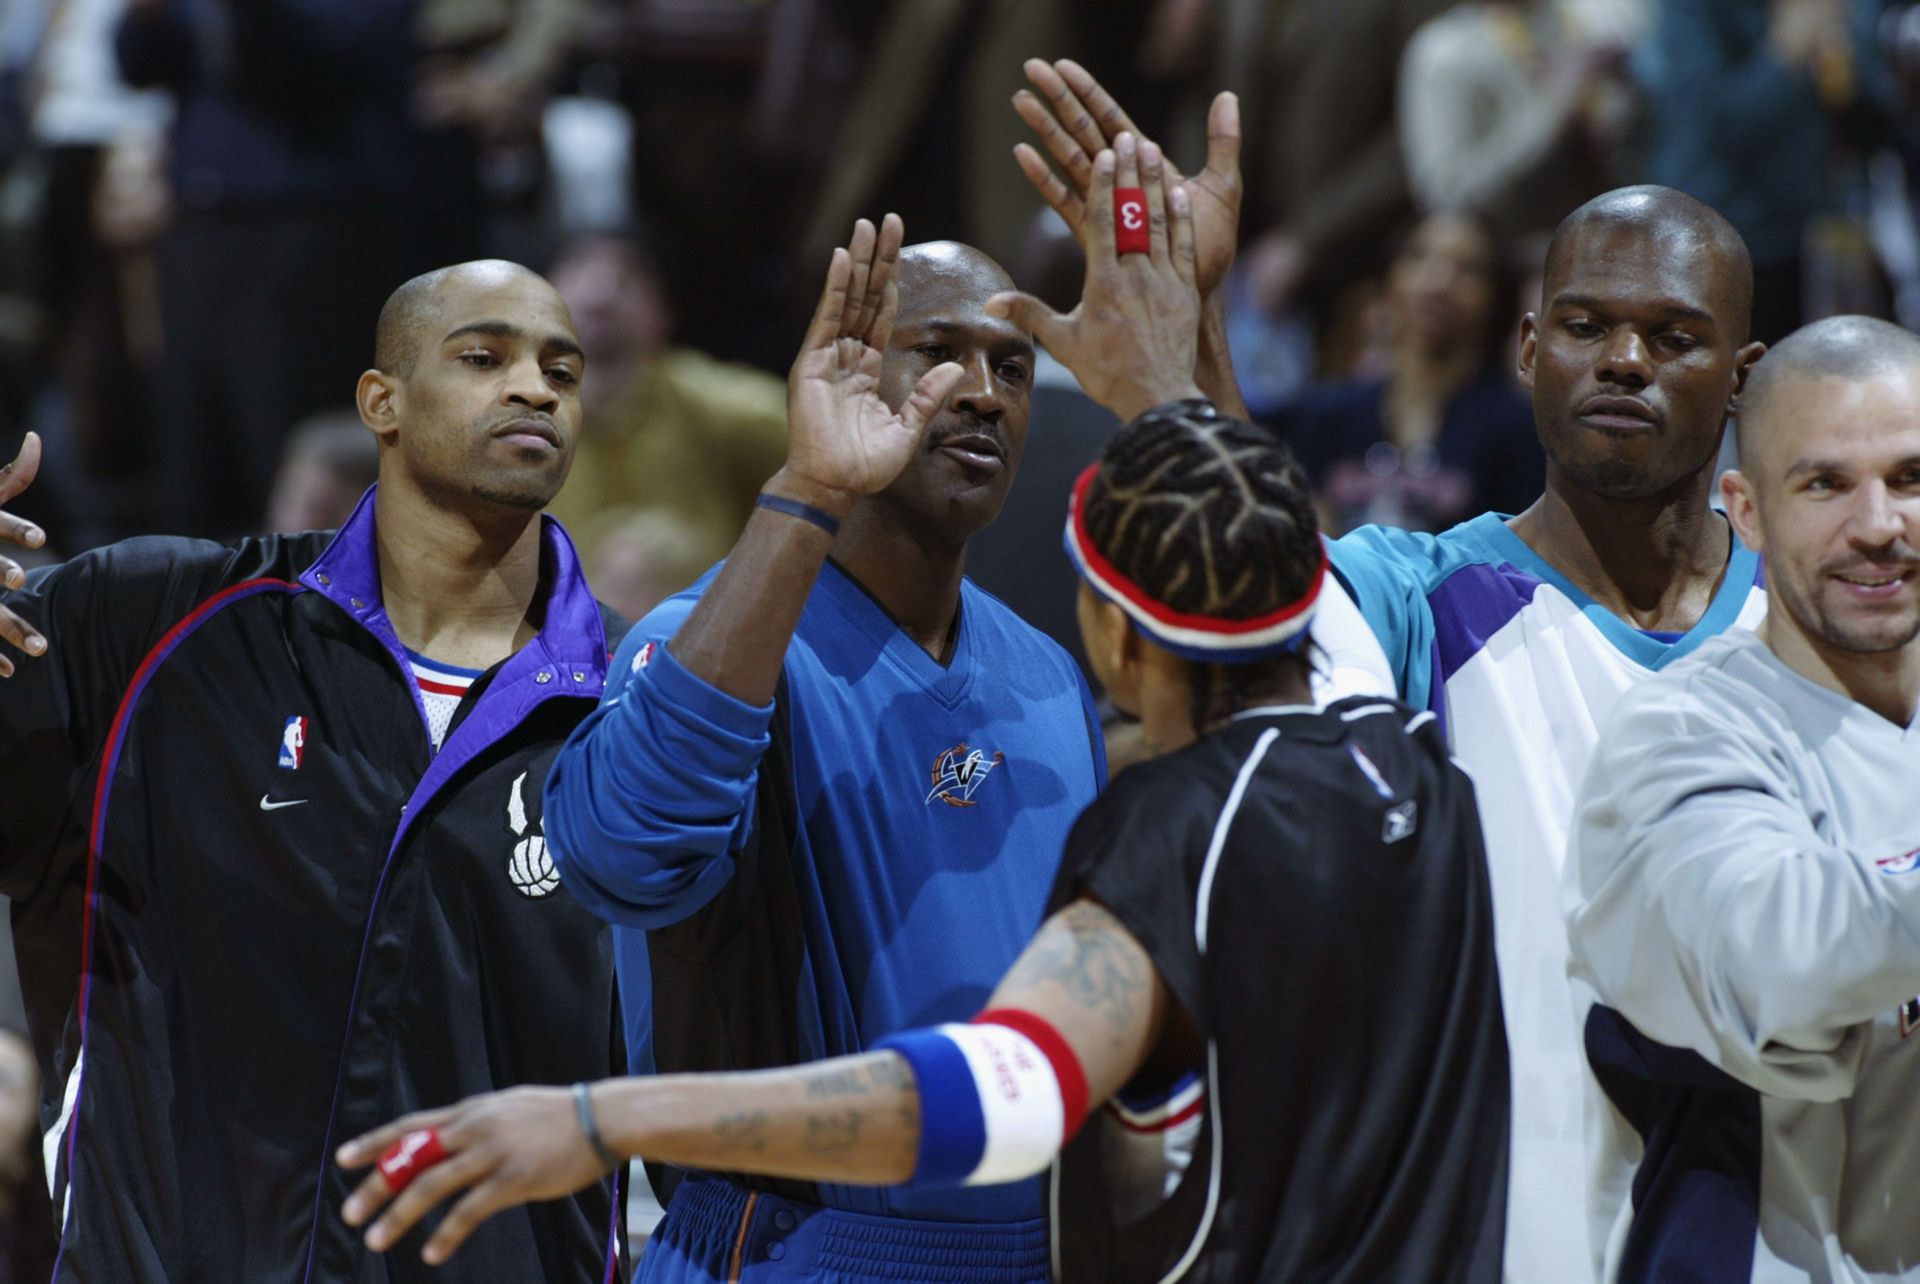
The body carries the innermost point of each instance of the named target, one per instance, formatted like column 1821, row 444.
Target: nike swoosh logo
column 266, row 805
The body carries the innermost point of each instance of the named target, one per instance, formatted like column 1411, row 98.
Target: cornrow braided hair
column 1212, row 517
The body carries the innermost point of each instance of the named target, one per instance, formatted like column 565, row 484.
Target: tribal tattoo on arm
column 1087, row 952
column 1087, row 975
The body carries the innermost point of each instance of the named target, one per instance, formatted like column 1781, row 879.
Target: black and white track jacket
column 256, row 914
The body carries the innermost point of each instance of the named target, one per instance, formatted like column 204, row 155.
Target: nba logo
column 1899, row 864
column 293, row 742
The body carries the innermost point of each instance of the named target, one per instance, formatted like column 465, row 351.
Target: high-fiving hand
column 843, row 440
column 1132, row 340
column 1076, row 120
column 503, row 1149
column 14, row 478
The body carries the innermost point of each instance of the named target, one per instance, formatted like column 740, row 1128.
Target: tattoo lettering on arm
column 837, row 1083
column 834, row 1134
column 744, row 1132
column 1085, row 951
column 890, row 1073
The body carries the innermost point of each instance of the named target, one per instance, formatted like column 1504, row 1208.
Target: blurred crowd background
column 203, row 203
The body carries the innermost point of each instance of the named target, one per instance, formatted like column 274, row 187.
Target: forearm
column 852, row 1120
column 1213, row 367
column 736, row 638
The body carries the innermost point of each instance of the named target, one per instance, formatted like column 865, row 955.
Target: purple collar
column 572, row 638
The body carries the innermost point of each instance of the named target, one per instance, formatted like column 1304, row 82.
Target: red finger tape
column 410, row 1156
column 1130, row 230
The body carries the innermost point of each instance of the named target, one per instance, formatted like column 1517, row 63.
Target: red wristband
column 1054, row 1046
column 410, row 1156
column 1131, row 233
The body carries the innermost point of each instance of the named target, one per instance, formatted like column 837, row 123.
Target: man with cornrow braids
column 1520, row 633
column 1268, row 966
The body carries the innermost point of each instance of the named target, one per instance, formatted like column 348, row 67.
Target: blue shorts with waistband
column 716, row 1232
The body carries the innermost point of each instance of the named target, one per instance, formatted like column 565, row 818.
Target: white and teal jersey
column 1522, row 669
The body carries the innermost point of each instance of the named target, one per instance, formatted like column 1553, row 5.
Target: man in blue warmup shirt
column 827, row 791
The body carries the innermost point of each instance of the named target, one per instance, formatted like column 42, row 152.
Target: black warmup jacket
column 257, row 915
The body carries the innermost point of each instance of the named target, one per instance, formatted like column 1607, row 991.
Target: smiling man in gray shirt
column 1743, row 884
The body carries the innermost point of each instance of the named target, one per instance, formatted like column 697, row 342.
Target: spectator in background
column 1446, row 434
column 668, row 430
column 483, row 71
column 487, row 61
column 1327, row 185
column 297, row 204
column 88, row 391
column 1743, row 99
column 329, row 462
column 643, row 559
column 1505, row 110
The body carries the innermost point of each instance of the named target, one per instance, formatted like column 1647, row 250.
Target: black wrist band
column 794, row 508
column 583, row 1106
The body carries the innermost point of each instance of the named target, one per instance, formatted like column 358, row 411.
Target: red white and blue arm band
column 999, row 1097
column 1204, row 639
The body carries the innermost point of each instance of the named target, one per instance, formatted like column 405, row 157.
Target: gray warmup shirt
column 1743, row 904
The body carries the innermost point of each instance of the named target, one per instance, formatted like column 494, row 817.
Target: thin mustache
column 1894, row 565
column 977, row 428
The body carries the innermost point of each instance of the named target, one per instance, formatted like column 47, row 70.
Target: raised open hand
column 1132, row 340
column 1076, row 119
column 14, row 478
column 843, row 439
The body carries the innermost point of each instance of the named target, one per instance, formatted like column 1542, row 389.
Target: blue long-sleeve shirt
column 867, row 854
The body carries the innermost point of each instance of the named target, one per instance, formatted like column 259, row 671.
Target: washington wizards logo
column 958, row 772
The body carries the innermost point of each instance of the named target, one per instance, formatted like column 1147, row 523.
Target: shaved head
column 947, row 268
column 1854, row 349
column 412, row 312
column 1677, row 223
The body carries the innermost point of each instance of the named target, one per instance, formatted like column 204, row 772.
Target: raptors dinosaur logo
column 958, row 772
column 530, row 868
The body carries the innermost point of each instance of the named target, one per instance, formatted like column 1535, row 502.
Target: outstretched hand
column 843, row 440
column 1132, row 340
column 14, row 478
column 1076, row 119
column 503, row 1149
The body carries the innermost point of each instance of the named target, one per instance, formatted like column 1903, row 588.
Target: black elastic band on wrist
column 583, row 1106
column 794, row 508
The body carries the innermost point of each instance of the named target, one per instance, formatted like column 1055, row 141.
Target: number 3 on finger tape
column 1130, row 231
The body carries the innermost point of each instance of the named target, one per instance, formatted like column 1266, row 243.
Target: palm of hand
column 843, row 433
column 1215, row 199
